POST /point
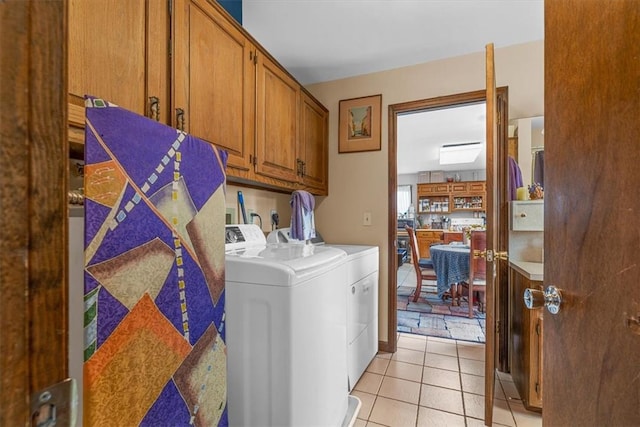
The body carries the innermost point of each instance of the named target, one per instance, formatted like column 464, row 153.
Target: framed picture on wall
column 359, row 126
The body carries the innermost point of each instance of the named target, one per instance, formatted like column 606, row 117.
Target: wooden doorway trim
column 33, row 240
column 404, row 108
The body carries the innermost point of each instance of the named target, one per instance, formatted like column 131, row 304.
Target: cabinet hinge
column 538, row 328
column 255, row 58
column 537, row 388
column 497, row 327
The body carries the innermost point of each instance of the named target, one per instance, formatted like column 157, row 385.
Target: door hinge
column 56, row 405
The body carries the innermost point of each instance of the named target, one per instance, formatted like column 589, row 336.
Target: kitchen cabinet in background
column 426, row 238
column 447, row 197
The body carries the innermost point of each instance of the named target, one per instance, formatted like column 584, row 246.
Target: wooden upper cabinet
column 277, row 108
column 433, row 188
column 458, row 187
column 313, row 145
column 118, row 51
column 213, row 81
column 209, row 77
column 477, row 187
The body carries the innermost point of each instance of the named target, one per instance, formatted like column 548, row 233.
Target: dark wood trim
column 33, row 242
column 408, row 107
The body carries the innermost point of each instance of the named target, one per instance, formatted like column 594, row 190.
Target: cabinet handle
column 298, row 167
column 180, row 118
column 523, row 215
column 154, row 107
column 304, row 169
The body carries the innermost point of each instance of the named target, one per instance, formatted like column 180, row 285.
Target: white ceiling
column 324, row 40
column 420, row 136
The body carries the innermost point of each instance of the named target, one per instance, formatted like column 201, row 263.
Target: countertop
column 530, row 270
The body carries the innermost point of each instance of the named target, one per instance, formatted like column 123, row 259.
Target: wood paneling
column 33, row 279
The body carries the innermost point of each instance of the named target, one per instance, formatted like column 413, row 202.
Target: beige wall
column 260, row 202
column 358, row 182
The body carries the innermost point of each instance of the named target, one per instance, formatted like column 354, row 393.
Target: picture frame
column 359, row 124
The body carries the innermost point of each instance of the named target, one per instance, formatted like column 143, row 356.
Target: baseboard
column 385, row 347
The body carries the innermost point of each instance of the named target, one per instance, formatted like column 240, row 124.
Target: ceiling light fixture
column 451, row 154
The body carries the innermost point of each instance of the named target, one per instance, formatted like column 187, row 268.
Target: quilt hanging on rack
column 155, row 351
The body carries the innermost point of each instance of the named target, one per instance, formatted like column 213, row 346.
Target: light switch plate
column 366, row 220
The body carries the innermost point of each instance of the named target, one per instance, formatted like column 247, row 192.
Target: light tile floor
column 433, row 381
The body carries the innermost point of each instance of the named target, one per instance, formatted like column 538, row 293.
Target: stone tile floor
column 430, row 316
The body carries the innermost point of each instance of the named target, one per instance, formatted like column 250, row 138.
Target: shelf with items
column 433, row 204
column 468, row 203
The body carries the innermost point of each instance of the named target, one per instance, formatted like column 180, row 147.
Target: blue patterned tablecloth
column 451, row 264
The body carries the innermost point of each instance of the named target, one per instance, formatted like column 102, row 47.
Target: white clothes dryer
column 362, row 300
column 286, row 327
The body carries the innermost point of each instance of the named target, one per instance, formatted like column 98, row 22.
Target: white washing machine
column 362, row 300
column 286, row 327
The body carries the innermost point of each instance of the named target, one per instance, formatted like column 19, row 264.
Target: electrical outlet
column 366, row 220
column 275, row 219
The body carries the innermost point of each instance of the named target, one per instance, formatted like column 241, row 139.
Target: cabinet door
column 313, row 149
column 527, row 215
column 458, row 187
column 118, row 51
column 433, row 188
column 214, row 77
column 477, row 187
column 277, row 109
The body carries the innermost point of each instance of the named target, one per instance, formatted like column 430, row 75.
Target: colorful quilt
column 155, row 351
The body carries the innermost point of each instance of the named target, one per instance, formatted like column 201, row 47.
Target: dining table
column 451, row 265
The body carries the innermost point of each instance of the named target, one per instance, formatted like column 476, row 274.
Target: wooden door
column 591, row 349
column 492, row 235
column 34, row 154
column 213, row 81
column 278, row 96
column 313, row 149
column 118, row 50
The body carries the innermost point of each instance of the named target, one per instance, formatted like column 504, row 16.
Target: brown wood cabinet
column 448, row 197
column 278, row 99
column 526, row 342
column 213, row 81
column 313, row 149
column 439, row 188
column 210, row 78
column 426, row 238
column 118, row 51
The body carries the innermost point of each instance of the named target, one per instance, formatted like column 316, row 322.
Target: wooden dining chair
column 477, row 270
column 421, row 265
